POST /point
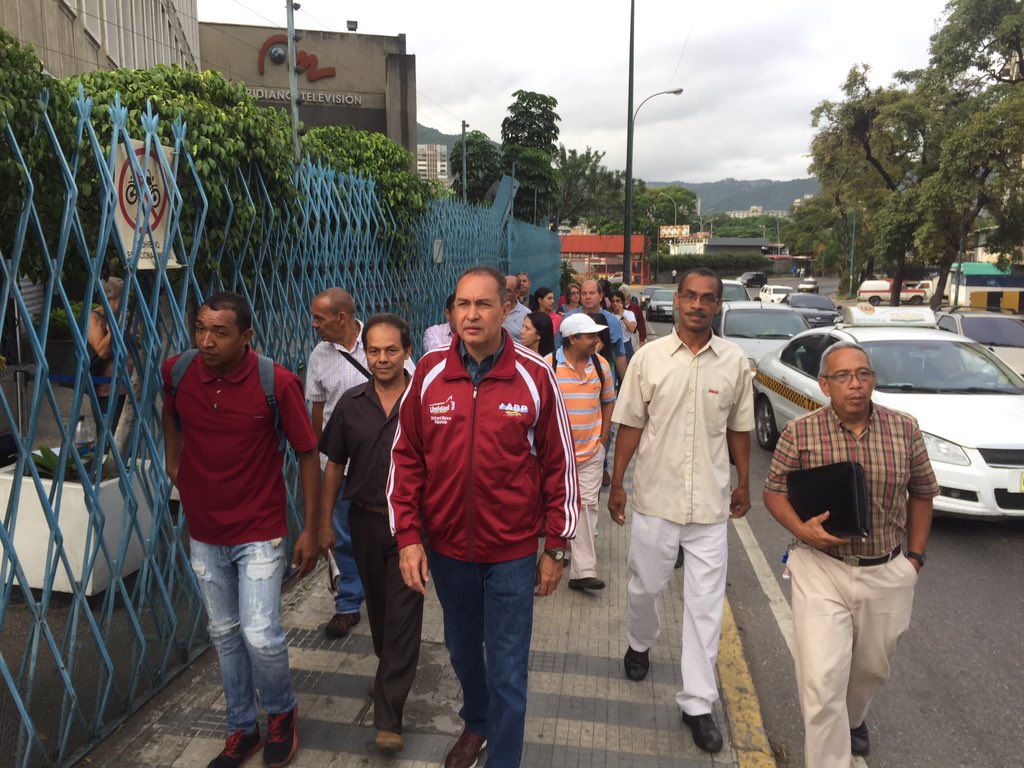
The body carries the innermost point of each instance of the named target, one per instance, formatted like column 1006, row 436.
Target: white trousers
column 584, row 554
column 846, row 623
column 653, row 547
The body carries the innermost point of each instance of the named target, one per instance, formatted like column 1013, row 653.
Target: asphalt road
column 956, row 696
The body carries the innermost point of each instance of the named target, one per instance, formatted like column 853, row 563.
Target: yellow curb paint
column 742, row 706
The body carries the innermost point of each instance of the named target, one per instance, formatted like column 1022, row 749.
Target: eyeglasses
column 864, row 375
column 691, row 297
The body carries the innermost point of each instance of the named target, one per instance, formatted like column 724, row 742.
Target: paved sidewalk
column 583, row 712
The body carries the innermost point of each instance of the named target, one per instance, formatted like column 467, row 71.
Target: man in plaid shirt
column 852, row 598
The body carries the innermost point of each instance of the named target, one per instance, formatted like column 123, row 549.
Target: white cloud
column 752, row 71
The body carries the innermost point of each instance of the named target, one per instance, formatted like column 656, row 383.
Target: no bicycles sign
column 133, row 194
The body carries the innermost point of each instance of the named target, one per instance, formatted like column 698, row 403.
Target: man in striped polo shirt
column 589, row 396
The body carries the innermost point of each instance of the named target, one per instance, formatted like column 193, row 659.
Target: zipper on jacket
column 469, row 475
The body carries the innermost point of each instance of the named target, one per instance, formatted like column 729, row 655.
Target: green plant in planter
column 47, row 462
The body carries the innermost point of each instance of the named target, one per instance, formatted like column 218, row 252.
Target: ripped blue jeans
column 241, row 588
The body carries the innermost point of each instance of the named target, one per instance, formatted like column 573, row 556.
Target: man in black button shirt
column 360, row 433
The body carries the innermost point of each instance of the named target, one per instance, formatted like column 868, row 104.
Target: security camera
column 352, row 25
column 278, row 54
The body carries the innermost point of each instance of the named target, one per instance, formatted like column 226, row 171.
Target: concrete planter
column 31, row 537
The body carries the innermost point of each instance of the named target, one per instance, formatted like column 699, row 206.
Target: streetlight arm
column 673, row 92
column 627, row 219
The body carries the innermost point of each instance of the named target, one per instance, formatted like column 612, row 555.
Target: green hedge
column 726, row 264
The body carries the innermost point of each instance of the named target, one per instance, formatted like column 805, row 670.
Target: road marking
column 776, row 600
column 742, row 706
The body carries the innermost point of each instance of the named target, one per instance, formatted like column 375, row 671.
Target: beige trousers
column 847, row 621
column 584, row 554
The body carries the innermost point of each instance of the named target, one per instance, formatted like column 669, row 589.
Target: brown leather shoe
column 389, row 742
column 341, row 624
column 466, row 752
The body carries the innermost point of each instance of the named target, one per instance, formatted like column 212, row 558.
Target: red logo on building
column 276, row 47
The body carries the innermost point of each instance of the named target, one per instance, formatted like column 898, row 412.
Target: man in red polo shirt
column 223, row 453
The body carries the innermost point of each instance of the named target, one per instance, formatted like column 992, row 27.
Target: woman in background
column 571, row 301
column 543, row 300
column 538, row 333
column 101, row 354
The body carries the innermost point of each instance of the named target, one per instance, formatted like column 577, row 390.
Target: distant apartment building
column 757, row 210
column 432, row 161
column 71, row 37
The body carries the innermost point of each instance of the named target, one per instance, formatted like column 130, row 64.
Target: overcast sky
column 752, row 70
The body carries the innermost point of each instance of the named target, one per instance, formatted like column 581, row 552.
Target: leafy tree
column 24, row 91
column 814, row 228
column 389, row 165
column 483, row 166
column 587, row 190
column 528, row 141
column 929, row 157
column 227, row 133
column 531, row 122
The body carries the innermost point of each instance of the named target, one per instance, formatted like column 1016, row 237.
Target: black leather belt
column 371, row 507
column 858, row 561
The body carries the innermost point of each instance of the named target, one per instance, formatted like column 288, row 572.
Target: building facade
column 432, row 161
column 366, row 81
column 602, row 255
column 75, row 36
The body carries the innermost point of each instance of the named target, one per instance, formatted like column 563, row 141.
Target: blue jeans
column 241, row 588
column 488, row 623
column 350, row 590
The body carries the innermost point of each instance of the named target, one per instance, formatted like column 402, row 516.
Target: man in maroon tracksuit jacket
column 483, row 462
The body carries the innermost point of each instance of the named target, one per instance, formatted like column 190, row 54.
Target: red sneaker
column 238, row 748
column 282, row 738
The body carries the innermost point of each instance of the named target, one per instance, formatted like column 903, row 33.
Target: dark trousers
column 488, row 623
column 395, row 613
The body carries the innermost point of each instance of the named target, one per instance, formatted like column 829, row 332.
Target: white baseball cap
column 579, row 323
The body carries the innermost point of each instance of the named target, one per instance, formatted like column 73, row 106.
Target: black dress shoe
column 637, row 663
column 705, row 732
column 589, row 582
column 860, row 745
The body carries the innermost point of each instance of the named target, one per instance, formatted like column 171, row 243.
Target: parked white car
column 968, row 402
column 774, row 294
column 758, row 328
column 1003, row 334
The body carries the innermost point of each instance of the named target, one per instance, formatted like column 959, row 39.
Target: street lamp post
column 657, row 241
column 675, row 209
column 628, row 224
column 630, row 119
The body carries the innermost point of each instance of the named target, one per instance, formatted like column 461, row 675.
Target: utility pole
column 293, row 81
column 465, row 125
column 627, row 255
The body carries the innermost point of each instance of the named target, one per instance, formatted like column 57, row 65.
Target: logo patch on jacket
column 513, row 410
column 440, row 413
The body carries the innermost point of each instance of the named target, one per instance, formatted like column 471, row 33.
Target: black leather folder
column 839, row 488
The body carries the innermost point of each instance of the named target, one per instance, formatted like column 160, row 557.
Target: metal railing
column 99, row 608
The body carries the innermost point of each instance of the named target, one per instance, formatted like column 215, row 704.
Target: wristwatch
column 555, row 553
column 919, row 556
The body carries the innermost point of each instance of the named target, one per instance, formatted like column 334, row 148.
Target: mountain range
column 715, row 196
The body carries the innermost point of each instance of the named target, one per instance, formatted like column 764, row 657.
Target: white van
column 876, row 291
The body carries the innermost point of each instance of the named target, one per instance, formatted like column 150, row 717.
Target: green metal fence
column 98, row 605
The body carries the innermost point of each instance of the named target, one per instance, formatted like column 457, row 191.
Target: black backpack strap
column 266, row 370
column 185, row 359
column 355, row 363
column 596, row 360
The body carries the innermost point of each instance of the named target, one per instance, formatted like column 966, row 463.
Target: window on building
column 112, row 30
column 129, row 36
column 91, row 19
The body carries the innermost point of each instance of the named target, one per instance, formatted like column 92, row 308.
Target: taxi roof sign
column 865, row 314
